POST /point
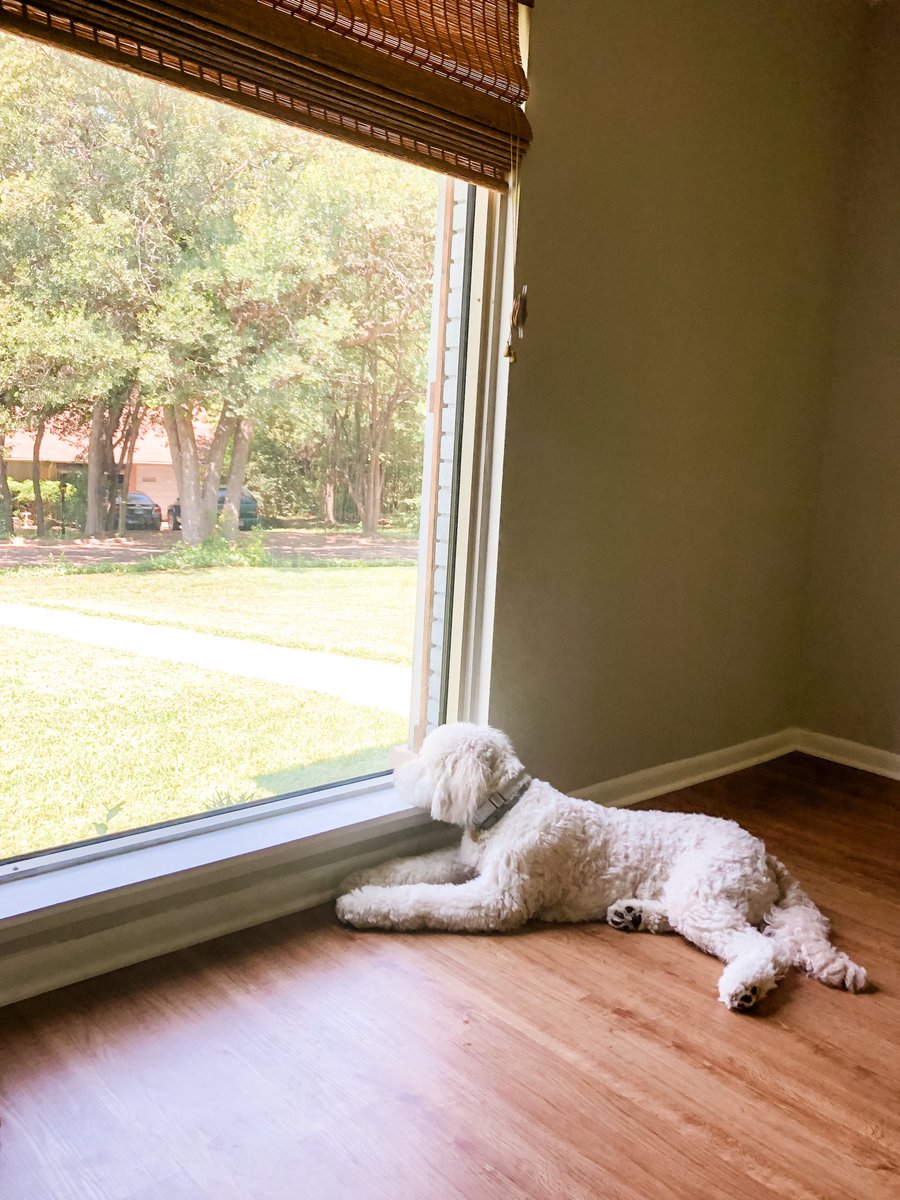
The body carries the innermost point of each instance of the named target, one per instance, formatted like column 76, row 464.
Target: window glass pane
column 214, row 359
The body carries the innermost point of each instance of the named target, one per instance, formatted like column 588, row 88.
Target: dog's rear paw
column 841, row 971
column 740, row 990
column 856, row 978
column 743, row 999
column 625, row 915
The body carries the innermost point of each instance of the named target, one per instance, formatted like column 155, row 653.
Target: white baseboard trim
column 847, row 753
column 670, row 777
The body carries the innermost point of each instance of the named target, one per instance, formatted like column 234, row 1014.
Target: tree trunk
column 168, row 416
column 110, row 475
column 36, row 480
column 198, row 482
column 328, row 503
column 215, row 460
column 193, row 529
column 373, row 489
column 211, row 472
column 96, row 516
column 335, row 426
column 368, row 485
column 373, row 420
column 240, row 454
column 6, row 507
column 126, row 461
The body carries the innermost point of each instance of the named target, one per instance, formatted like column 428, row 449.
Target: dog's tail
column 801, row 932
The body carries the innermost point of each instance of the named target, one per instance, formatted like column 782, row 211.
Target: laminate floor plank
column 174, row 1187
column 304, row 1060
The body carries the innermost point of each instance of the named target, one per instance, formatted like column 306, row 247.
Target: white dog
column 530, row 852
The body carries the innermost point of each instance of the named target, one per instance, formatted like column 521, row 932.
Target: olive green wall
column 853, row 651
column 678, row 234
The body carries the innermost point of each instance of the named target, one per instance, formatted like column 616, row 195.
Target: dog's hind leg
column 631, row 915
column 801, row 931
column 755, row 963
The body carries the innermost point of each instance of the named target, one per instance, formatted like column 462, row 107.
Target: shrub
column 73, row 508
column 249, row 551
column 407, row 515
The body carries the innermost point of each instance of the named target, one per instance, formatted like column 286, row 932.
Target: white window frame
column 69, row 914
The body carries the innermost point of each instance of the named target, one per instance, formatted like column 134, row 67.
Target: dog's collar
column 498, row 804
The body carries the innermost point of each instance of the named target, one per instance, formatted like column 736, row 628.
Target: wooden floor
column 302, row 1060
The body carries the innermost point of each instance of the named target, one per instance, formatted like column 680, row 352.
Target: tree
column 386, row 287
column 6, row 503
column 63, row 297
column 365, row 375
column 215, row 271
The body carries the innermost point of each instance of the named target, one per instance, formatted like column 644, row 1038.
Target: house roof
column 152, row 446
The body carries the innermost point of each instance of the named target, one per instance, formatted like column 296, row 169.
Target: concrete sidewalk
column 362, row 681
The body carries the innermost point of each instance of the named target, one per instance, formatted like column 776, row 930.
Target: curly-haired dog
column 530, row 852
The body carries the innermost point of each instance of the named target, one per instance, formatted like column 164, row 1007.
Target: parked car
column 140, row 512
column 248, row 512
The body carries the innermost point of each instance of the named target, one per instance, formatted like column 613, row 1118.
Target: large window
column 229, row 442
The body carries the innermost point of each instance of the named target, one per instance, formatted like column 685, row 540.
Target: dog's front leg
column 473, row 907
column 440, row 866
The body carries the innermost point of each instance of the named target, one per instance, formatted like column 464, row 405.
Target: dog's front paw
column 344, row 909
column 626, row 916
column 353, row 909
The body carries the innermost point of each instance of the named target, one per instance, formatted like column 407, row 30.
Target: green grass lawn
column 362, row 611
column 83, row 729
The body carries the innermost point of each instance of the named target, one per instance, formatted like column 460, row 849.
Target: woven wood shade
column 437, row 82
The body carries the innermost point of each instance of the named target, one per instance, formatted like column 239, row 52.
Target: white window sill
column 66, row 877
column 78, row 913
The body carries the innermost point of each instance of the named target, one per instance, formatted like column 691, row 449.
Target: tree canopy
column 167, row 258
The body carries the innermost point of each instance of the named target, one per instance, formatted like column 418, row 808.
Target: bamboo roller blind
column 437, row 82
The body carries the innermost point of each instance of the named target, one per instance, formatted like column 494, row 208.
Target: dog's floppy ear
column 464, row 777
column 457, row 767
column 464, row 782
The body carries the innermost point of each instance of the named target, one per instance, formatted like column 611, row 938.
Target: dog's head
column 457, row 768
